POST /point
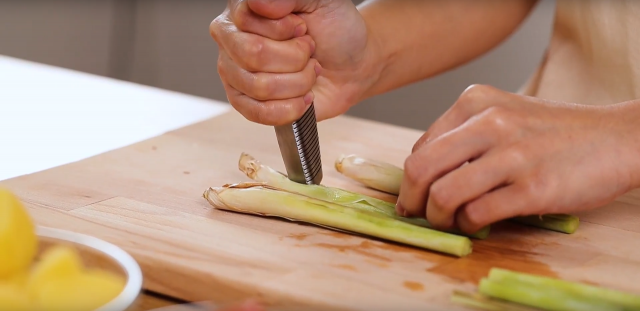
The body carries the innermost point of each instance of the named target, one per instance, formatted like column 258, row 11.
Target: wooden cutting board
column 147, row 198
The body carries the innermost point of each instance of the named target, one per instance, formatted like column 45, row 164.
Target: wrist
column 376, row 59
column 625, row 117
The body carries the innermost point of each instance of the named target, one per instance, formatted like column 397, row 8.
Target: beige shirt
column 594, row 54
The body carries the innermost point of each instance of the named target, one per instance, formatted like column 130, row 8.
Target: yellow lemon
column 18, row 240
column 56, row 262
column 13, row 297
column 17, row 279
column 83, row 292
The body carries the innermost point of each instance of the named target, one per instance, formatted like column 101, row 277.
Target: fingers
column 268, row 86
column 474, row 100
column 269, row 112
column 436, row 159
column 282, row 28
column 256, row 53
column 275, row 9
column 467, row 183
column 434, row 173
column 500, row 204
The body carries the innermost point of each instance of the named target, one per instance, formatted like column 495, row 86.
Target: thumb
column 277, row 9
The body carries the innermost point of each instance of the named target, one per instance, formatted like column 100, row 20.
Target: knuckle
column 499, row 118
column 471, row 211
column 311, row 72
column 421, row 141
column 262, row 86
column 536, row 194
column 221, row 66
column 303, row 45
column 440, row 196
column 285, row 25
column 253, row 54
column 216, row 25
column 413, row 170
column 241, row 16
column 213, row 29
column 256, row 113
column 517, row 157
column 267, row 113
column 473, row 95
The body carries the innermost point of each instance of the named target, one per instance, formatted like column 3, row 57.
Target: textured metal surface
column 300, row 148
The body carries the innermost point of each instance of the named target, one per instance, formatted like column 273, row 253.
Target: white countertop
column 50, row 116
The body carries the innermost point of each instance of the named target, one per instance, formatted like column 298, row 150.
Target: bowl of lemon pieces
column 49, row 269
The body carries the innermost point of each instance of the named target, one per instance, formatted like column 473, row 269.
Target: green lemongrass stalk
column 478, row 301
column 629, row 301
column 257, row 171
column 262, row 199
column 386, row 177
column 546, row 298
column 556, row 222
column 372, row 173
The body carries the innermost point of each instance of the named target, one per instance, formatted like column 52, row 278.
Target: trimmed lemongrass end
column 259, row 172
column 479, row 301
column 374, row 174
column 556, row 222
column 546, row 298
column 264, row 200
column 630, row 301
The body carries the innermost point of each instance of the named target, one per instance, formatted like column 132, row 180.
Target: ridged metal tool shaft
column 300, row 148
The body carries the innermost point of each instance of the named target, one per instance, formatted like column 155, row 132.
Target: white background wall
column 166, row 43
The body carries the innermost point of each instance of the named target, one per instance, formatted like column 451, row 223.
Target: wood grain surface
column 150, row 302
column 147, row 198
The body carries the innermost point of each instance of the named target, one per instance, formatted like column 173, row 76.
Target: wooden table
column 46, row 105
column 146, row 197
column 149, row 301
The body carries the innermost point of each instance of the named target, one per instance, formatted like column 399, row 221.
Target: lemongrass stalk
column 390, row 178
column 556, row 222
column 257, row 171
column 629, row 301
column 262, row 199
column 372, row 173
column 479, row 301
column 546, row 298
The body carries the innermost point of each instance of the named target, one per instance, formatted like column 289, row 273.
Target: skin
column 493, row 155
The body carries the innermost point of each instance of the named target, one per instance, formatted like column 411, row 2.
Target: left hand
column 526, row 156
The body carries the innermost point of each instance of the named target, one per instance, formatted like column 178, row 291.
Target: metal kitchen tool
column 300, row 148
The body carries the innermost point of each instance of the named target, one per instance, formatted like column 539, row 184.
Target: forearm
column 624, row 118
column 415, row 40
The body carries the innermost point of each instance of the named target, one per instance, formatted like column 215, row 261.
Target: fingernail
column 400, row 210
column 300, row 30
column 308, row 99
column 317, row 68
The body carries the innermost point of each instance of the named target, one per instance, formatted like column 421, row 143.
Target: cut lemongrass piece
column 372, row 173
column 556, row 222
column 546, row 298
column 478, row 301
column 259, row 172
column 265, row 200
column 629, row 301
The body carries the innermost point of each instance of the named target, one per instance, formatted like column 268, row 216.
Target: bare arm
column 415, row 40
column 277, row 57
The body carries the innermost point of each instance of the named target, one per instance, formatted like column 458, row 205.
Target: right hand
column 277, row 56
